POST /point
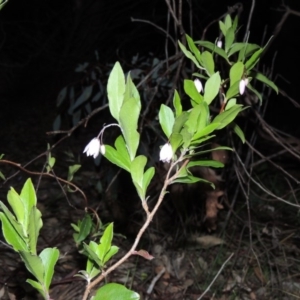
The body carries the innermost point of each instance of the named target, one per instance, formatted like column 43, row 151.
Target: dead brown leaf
column 212, row 208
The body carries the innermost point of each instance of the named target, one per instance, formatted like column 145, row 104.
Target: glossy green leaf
column 34, row 225
column 115, row 291
column 213, row 47
column 122, row 150
column 179, row 122
column 208, row 62
column 131, row 90
column 227, row 116
column 233, row 90
column 193, row 48
column 111, row 252
column 204, row 115
column 175, row 141
column 235, row 48
column 205, row 163
column 28, row 198
column 189, row 55
column 118, row 159
column 36, row 285
column 49, row 257
column 186, row 138
column 236, row 72
column 261, row 77
column 116, row 90
column 192, row 123
column 34, row 265
column 137, row 169
column 206, row 130
column 85, row 228
column 93, row 256
column 239, row 132
column 230, row 103
column 222, row 27
column 16, row 204
column 212, row 87
column 12, row 231
column 229, row 38
column 191, row 91
column 228, row 21
column 166, row 119
column 105, row 241
column 128, row 119
column 148, row 177
column 253, row 60
column 247, row 50
column 192, row 179
column 177, row 104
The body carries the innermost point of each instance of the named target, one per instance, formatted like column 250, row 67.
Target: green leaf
column 233, row 90
column 2, row 175
column 186, row 137
column 205, row 163
column 228, row 21
column 118, row 159
column 239, row 132
column 122, row 150
column 166, row 119
column 236, row 72
column 93, row 255
column 227, row 116
column 137, row 173
column 208, row 63
column 105, row 242
column 222, row 27
column 28, row 198
column 193, row 48
column 35, row 223
column 12, row 231
column 253, row 60
column 212, row 87
column 115, row 291
column 204, row 115
column 177, row 104
column 116, row 90
column 192, row 123
column 206, row 130
column 255, row 91
column 229, row 38
column 85, row 228
column 191, row 179
column 246, row 50
column 36, row 285
column 147, row 178
column 34, row 265
column 72, row 170
column 191, row 91
column 189, row 55
column 261, row 77
column 131, row 90
column 179, row 122
column 175, row 141
column 213, row 47
column 230, row 103
column 16, row 204
column 129, row 115
column 49, row 257
column 111, row 252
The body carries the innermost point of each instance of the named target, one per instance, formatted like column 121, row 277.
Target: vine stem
column 149, row 218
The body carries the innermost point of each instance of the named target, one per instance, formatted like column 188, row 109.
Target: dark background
column 42, row 42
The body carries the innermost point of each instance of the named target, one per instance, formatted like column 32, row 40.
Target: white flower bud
column 102, row 149
column 219, row 44
column 93, row 148
column 242, row 85
column 166, row 153
column 198, row 85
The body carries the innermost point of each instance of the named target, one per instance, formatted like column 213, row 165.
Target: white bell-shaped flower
column 198, row 85
column 93, row 148
column 166, row 153
column 219, row 44
column 242, row 85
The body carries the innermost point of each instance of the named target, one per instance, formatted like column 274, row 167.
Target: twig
column 154, row 280
column 249, row 20
column 215, row 278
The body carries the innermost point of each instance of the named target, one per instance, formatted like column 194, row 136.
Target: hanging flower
column 102, row 149
column 242, row 85
column 219, row 44
column 198, row 85
column 93, row 148
column 166, row 153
